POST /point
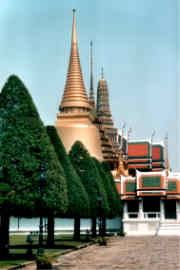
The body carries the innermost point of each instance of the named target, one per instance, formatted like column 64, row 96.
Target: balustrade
column 146, row 215
column 132, row 215
column 151, row 215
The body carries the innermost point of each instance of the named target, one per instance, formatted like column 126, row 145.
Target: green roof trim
column 141, row 163
column 158, row 160
column 140, row 157
column 172, row 186
column 149, row 182
column 130, row 187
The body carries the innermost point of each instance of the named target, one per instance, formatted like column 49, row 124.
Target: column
column 141, row 214
column 178, row 210
column 125, row 210
column 162, row 210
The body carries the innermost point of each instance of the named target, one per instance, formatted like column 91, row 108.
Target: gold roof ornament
column 122, row 159
column 75, row 95
column 166, row 154
column 128, row 138
column 102, row 73
column 122, row 138
column 152, row 136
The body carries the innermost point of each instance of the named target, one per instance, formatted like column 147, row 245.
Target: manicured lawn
column 19, row 246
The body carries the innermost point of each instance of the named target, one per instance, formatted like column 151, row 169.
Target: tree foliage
column 77, row 196
column 113, row 201
column 24, row 148
column 107, row 170
column 87, row 171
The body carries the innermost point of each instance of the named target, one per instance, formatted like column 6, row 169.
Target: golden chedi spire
column 75, row 121
column 75, row 96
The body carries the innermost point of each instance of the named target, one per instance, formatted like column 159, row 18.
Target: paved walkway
column 128, row 253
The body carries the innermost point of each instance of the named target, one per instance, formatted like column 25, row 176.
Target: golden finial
column 74, row 35
column 102, row 73
column 122, row 137
column 128, row 136
column 91, row 45
column 128, row 133
column 166, row 152
column 152, row 136
column 91, row 96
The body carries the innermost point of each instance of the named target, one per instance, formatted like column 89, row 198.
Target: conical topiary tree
column 111, row 192
column 78, row 199
column 25, row 149
column 118, row 207
column 87, row 171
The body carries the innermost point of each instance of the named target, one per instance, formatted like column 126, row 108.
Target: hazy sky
column 136, row 41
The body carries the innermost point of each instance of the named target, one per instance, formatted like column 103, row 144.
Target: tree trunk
column 50, row 236
column 77, row 226
column 4, row 234
column 93, row 227
column 104, row 226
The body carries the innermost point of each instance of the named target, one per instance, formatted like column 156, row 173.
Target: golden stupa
column 74, row 122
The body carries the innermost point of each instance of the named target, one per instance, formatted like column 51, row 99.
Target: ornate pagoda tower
column 103, row 112
column 74, row 122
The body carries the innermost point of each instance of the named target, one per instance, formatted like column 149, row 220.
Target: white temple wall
column 138, row 227
column 150, row 223
column 178, row 210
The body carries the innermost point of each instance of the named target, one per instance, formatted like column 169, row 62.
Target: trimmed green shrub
column 24, row 149
column 87, row 171
column 44, row 262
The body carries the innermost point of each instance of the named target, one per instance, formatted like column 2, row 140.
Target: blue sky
column 136, row 42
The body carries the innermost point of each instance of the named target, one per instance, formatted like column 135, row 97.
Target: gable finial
column 102, row 73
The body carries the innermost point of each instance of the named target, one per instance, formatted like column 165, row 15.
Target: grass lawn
column 19, row 246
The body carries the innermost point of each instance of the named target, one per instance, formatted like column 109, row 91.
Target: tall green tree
column 107, row 169
column 87, row 171
column 24, row 148
column 5, row 193
column 113, row 199
column 77, row 196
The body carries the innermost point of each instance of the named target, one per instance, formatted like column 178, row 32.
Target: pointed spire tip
column 102, row 73
column 74, row 92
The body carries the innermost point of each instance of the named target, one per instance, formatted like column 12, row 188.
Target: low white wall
column 27, row 225
column 135, row 227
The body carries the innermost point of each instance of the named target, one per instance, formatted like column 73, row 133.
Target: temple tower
column 74, row 122
column 103, row 110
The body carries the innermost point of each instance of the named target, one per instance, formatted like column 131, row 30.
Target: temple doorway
column 170, row 209
column 151, row 204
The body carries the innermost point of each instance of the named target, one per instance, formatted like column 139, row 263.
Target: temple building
column 149, row 190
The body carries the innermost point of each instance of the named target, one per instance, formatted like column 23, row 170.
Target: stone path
column 128, row 253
